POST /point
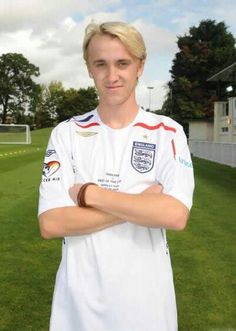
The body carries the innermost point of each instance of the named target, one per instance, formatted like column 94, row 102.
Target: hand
column 74, row 190
column 156, row 189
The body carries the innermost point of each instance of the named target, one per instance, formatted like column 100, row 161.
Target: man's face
column 114, row 70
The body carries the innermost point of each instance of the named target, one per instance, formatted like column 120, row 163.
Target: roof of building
column 228, row 74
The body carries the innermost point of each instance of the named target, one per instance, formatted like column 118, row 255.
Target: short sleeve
column 175, row 169
column 58, row 175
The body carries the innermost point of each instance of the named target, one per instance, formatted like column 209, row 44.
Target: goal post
column 15, row 134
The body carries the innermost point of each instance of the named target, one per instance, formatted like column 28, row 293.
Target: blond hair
column 127, row 34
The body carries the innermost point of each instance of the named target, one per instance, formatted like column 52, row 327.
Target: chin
column 117, row 103
column 116, row 100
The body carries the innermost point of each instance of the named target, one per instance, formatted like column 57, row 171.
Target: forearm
column 72, row 221
column 152, row 210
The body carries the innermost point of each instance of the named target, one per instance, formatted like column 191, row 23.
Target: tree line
column 205, row 50
column 56, row 104
column 22, row 100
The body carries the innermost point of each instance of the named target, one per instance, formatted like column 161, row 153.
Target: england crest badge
column 143, row 156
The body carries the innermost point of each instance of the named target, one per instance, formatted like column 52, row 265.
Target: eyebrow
column 98, row 61
column 124, row 60
column 119, row 60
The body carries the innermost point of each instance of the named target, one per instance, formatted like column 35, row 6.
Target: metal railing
column 224, row 153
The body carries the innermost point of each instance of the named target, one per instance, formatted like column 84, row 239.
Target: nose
column 112, row 74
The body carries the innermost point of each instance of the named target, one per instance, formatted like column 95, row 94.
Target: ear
column 140, row 68
column 89, row 71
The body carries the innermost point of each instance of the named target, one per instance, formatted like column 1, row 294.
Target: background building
column 216, row 139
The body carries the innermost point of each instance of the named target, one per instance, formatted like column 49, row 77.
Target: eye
column 123, row 64
column 99, row 64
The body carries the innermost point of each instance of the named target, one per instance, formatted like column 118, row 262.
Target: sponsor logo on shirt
column 50, row 168
column 86, row 133
column 185, row 162
column 143, row 156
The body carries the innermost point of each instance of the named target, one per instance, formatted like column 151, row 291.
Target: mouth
column 113, row 88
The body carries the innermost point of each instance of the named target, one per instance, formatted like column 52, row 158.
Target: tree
column 206, row 50
column 76, row 102
column 57, row 104
column 48, row 104
column 18, row 91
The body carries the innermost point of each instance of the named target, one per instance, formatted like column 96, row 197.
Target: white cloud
column 157, row 39
column 68, row 36
column 56, row 50
column 185, row 21
column 102, row 16
column 21, row 41
column 71, row 71
column 39, row 14
column 187, row 15
column 226, row 11
column 22, row 14
column 153, row 97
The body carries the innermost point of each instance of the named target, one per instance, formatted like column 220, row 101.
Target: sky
column 50, row 34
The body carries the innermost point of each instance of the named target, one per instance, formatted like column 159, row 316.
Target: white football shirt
column 120, row 278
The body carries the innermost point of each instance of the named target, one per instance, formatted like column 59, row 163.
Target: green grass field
column 12, row 137
column 203, row 256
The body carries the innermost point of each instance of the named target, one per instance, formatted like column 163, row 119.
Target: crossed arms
column 151, row 208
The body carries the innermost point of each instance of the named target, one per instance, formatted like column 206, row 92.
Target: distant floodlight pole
column 150, row 88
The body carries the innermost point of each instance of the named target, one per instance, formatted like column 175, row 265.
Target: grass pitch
column 203, row 256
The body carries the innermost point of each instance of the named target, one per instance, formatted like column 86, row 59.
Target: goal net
column 15, row 134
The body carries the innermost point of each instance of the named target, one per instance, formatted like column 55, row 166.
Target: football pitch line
column 14, row 153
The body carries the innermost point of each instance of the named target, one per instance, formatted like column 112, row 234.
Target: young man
column 115, row 273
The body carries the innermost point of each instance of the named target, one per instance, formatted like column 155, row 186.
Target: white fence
column 224, row 153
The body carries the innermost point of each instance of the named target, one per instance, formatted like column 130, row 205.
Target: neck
column 118, row 116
